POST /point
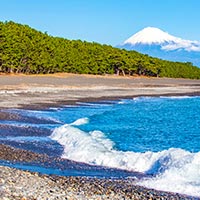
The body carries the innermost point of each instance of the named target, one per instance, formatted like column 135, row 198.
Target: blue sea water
column 158, row 136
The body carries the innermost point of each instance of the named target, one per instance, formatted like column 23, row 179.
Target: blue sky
column 105, row 21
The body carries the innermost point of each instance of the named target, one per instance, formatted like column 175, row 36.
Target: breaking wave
column 172, row 169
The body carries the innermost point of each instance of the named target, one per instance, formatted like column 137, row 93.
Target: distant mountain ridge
column 157, row 43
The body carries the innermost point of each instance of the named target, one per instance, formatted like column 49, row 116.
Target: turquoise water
column 150, row 124
column 157, row 136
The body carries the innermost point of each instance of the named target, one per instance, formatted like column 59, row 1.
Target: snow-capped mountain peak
column 155, row 36
column 157, row 43
column 150, row 35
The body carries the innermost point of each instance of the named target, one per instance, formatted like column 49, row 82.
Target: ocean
column 155, row 136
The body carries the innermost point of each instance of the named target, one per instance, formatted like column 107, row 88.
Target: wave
column 94, row 104
column 175, row 166
column 80, row 121
column 178, row 97
column 146, row 98
column 182, row 176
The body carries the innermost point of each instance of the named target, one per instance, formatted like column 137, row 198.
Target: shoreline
column 16, row 183
column 20, row 184
column 42, row 92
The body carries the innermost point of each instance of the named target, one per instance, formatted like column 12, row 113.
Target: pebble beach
column 56, row 90
column 22, row 184
column 18, row 184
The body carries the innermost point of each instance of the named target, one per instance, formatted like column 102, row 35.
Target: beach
column 61, row 89
column 44, row 91
column 23, row 184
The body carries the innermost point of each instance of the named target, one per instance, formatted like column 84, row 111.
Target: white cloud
column 182, row 44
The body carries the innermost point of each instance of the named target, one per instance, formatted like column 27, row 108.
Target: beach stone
column 23, row 185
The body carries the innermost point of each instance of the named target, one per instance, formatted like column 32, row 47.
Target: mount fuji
column 160, row 44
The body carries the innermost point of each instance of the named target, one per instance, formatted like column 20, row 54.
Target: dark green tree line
column 26, row 50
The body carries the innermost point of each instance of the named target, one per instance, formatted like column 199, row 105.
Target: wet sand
column 36, row 92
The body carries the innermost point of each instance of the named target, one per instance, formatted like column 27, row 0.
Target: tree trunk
column 123, row 73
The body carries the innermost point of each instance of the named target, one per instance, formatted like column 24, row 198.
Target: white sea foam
column 100, row 104
column 182, row 177
column 80, row 121
column 176, row 97
column 173, row 169
column 143, row 98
